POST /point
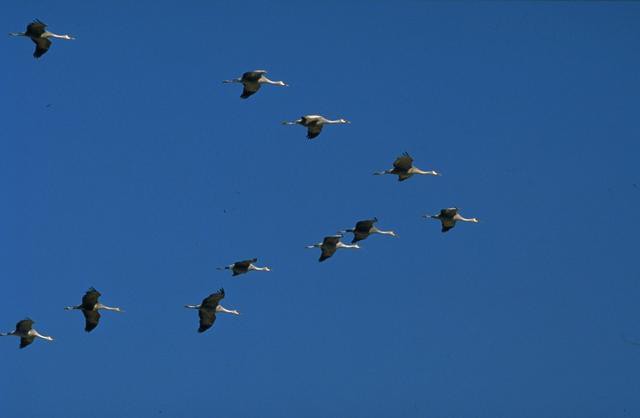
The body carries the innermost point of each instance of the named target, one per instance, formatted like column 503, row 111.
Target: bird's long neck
column 192, row 306
column 221, row 308
column 44, row 337
column 463, row 219
column 415, row 170
column 56, row 36
column 265, row 80
column 334, row 122
column 254, row 268
column 341, row 244
column 107, row 308
column 381, row 232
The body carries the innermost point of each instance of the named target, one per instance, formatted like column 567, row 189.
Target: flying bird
column 36, row 30
column 314, row 124
column 330, row 244
column 403, row 167
column 208, row 308
column 365, row 228
column 244, row 266
column 24, row 330
column 90, row 307
column 448, row 217
column 252, row 81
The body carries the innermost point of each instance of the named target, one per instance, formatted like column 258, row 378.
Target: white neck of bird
column 54, row 35
column 425, row 173
column 335, row 122
column 107, row 308
column 378, row 231
column 221, row 308
column 254, row 268
column 460, row 218
column 341, row 244
column 265, row 80
column 44, row 337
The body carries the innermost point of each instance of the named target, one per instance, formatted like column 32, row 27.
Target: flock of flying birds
column 251, row 81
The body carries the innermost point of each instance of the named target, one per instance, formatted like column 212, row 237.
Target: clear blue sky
column 145, row 173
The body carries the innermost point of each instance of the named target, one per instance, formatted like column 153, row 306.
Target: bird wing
column 25, row 341
column 362, row 230
column 448, row 212
column 244, row 264
column 91, row 319
column 207, row 318
column 327, row 252
column 35, row 28
column 328, row 246
column 24, row 326
column 313, row 129
column 42, row 46
column 447, row 224
column 90, row 299
column 249, row 89
column 403, row 162
column 252, row 76
column 365, row 226
column 211, row 301
column 331, row 240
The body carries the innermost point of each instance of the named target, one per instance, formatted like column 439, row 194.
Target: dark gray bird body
column 90, row 307
column 208, row 308
column 314, row 124
column 251, row 82
column 244, row 266
column 24, row 330
column 449, row 216
column 403, row 168
column 329, row 245
column 207, row 311
column 37, row 32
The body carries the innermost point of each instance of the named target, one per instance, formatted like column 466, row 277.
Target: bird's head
column 267, row 269
column 344, row 121
column 393, row 234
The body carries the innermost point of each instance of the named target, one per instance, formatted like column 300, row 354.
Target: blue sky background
column 145, row 173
